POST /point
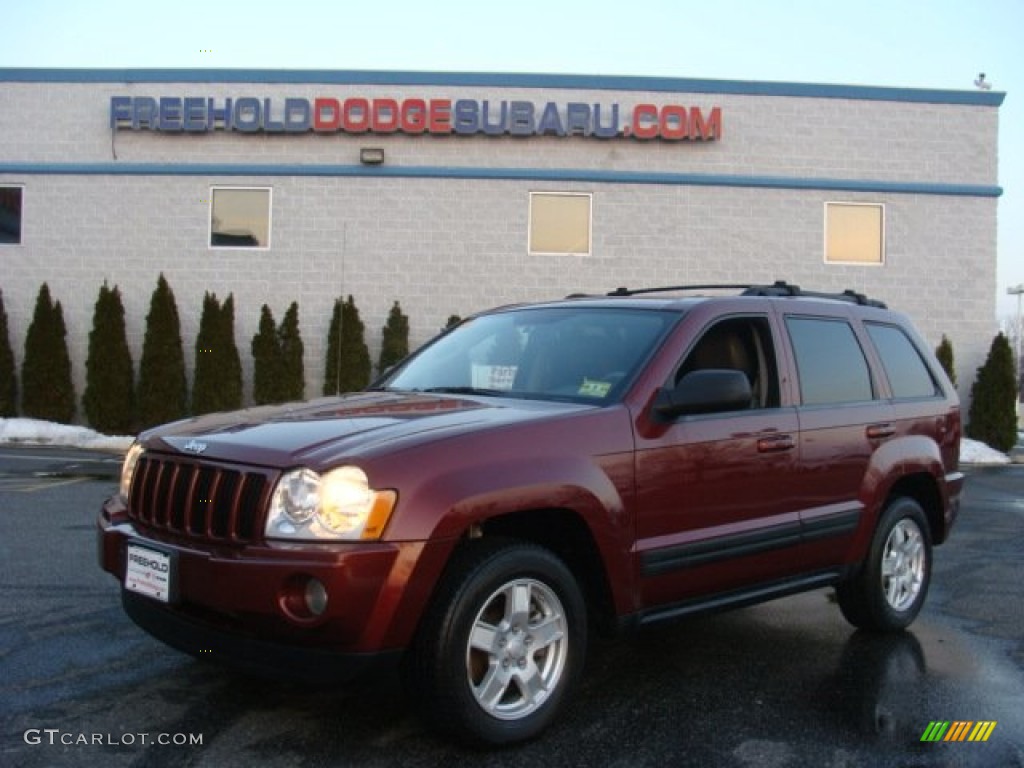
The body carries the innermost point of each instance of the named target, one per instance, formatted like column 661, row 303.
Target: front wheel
column 888, row 591
column 502, row 644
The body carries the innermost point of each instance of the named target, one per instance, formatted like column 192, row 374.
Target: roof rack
column 778, row 288
column 669, row 288
column 782, row 288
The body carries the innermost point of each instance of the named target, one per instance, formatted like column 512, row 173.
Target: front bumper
column 251, row 654
column 243, row 604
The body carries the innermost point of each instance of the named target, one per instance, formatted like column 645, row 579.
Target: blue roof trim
column 503, row 80
column 502, row 174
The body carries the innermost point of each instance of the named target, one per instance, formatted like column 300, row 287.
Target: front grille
column 199, row 501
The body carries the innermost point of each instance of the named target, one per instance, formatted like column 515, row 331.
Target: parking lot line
column 31, row 485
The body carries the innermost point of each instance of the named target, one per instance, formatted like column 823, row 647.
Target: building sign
column 464, row 117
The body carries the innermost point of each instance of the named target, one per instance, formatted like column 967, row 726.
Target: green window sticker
column 594, row 388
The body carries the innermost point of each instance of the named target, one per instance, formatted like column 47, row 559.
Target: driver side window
column 739, row 344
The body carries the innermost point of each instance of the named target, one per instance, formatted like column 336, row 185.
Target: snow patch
column 35, row 432
column 974, row 452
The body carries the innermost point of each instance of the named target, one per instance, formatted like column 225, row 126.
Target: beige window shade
column 854, row 233
column 239, row 217
column 559, row 223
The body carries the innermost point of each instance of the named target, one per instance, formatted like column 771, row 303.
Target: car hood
column 320, row 432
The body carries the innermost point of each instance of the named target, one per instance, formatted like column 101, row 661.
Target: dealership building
column 451, row 193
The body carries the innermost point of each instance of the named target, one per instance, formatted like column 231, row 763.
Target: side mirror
column 708, row 391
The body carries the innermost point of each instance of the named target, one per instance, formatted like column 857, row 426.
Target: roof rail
column 669, row 288
column 782, row 288
column 778, row 288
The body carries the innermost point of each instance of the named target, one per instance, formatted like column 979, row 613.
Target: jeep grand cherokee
column 541, row 471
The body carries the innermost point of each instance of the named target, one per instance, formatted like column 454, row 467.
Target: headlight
column 128, row 469
column 336, row 505
column 297, row 496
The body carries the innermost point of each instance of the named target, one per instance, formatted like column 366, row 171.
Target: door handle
column 879, row 431
column 775, row 444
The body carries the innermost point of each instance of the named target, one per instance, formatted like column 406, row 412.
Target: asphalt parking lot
column 783, row 684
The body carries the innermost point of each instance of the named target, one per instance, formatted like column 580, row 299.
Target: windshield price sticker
column 148, row 573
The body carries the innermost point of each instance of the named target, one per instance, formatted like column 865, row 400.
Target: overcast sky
column 939, row 44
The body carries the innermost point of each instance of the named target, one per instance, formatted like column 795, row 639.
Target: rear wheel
column 502, row 645
column 888, row 591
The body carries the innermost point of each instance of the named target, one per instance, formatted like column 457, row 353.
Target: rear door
column 842, row 420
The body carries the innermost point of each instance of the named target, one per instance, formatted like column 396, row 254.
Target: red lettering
column 645, row 121
column 355, row 115
column 328, row 106
column 384, row 118
column 709, row 130
column 673, row 122
column 414, row 116
column 440, row 116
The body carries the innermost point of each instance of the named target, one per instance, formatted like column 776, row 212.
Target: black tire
column 501, row 645
column 889, row 588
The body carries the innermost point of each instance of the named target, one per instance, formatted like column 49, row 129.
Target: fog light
column 303, row 599
column 316, row 597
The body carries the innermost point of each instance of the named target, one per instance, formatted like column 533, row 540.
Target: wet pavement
column 787, row 683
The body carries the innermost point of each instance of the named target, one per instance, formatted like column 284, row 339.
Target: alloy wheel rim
column 517, row 649
column 903, row 565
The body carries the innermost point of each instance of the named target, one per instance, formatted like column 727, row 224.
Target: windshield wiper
column 467, row 391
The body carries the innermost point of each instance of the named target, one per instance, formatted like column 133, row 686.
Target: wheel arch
column 923, row 488
column 910, row 466
column 567, row 535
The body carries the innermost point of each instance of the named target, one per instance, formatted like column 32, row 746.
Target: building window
column 10, row 215
column 239, row 217
column 560, row 223
column 854, row 233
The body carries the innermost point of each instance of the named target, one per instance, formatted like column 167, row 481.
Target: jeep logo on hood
column 194, row 446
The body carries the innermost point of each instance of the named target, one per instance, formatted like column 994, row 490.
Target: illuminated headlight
column 336, row 505
column 128, row 469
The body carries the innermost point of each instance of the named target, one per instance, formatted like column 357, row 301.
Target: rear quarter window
column 830, row 362
column 908, row 374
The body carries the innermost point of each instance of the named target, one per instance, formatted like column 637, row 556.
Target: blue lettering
column 218, row 117
column 246, row 116
column 550, row 121
column 609, row 131
column 578, row 119
column 520, row 121
column 144, row 113
column 120, row 111
column 194, row 119
column 170, row 114
column 297, row 115
column 498, row 128
column 467, row 116
column 271, row 126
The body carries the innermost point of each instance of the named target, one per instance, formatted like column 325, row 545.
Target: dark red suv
column 540, row 471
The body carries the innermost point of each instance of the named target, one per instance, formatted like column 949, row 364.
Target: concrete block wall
column 445, row 246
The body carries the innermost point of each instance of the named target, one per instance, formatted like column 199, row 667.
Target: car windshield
column 584, row 354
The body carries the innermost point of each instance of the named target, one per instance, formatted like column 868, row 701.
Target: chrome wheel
column 517, row 649
column 903, row 565
column 502, row 644
column 886, row 592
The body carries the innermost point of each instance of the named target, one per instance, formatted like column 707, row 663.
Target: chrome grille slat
column 198, row 501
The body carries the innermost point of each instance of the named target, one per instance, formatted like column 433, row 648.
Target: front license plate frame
column 151, row 572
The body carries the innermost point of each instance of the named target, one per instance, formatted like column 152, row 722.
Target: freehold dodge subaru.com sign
column 465, row 117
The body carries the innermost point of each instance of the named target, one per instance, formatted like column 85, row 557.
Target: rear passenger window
column 829, row 361
column 907, row 373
